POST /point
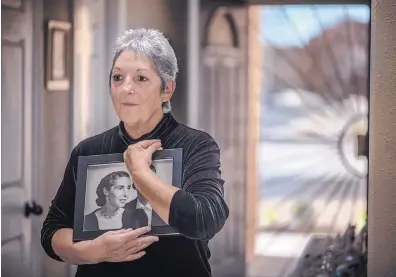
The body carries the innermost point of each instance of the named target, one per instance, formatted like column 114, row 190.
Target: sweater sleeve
column 199, row 210
column 61, row 211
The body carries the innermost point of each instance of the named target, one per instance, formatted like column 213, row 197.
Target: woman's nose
column 127, row 85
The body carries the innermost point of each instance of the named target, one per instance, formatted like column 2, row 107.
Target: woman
column 113, row 194
column 142, row 82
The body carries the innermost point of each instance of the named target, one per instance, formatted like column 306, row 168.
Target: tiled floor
column 277, row 254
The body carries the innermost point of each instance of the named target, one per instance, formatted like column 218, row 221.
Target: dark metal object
column 33, row 209
column 345, row 256
column 362, row 146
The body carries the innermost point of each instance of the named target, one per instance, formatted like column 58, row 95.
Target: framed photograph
column 107, row 199
column 58, row 43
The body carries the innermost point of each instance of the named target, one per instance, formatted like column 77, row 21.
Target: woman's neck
column 109, row 210
column 140, row 129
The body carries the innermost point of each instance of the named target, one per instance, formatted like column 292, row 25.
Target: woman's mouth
column 128, row 104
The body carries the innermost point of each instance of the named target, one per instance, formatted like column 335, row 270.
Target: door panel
column 12, row 3
column 16, row 47
column 11, row 108
column 11, row 212
column 11, row 255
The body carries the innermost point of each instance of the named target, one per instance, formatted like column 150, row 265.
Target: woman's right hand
column 121, row 246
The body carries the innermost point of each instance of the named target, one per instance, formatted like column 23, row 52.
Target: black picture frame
column 84, row 162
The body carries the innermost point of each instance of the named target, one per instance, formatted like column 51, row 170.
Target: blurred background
column 282, row 88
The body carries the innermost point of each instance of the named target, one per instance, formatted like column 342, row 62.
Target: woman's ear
column 168, row 91
column 105, row 192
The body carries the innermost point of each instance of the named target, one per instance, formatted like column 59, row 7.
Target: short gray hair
column 153, row 45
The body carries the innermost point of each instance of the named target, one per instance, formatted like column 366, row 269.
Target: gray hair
column 153, row 45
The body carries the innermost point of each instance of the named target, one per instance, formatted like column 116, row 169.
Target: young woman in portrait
column 113, row 193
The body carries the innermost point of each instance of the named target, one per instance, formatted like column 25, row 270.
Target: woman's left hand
column 138, row 156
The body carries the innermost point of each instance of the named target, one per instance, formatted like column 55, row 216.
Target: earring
column 107, row 198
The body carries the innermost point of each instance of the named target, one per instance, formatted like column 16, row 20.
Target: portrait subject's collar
column 139, row 205
column 159, row 130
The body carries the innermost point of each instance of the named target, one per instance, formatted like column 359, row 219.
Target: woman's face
column 120, row 192
column 136, row 89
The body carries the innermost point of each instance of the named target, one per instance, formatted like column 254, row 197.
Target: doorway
column 20, row 117
column 35, row 135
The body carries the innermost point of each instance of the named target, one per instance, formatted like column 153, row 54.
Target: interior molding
column 14, row 5
column 226, row 13
column 11, row 239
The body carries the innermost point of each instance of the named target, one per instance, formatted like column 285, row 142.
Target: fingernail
column 148, row 228
column 156, row 239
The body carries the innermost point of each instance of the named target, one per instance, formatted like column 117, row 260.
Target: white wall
column 92, row 108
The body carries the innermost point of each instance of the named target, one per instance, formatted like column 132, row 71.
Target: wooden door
column 16, row 137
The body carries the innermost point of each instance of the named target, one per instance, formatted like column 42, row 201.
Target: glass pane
column 314, row 121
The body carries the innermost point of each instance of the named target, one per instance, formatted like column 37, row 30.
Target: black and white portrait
column 108, row 199
column 112, row 200
column 108, row 190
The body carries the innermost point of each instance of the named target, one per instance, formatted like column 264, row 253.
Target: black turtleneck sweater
column 198, row 211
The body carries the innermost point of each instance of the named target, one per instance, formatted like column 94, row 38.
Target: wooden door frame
column 254, row 60
column 382, row 135
column 38, row 147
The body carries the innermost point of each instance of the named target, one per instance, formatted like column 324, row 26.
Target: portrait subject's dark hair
column 152, row 168
column 107, row 182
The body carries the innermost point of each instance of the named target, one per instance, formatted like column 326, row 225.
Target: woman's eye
column 117, row 77
column 142, row 78
column 129, row 187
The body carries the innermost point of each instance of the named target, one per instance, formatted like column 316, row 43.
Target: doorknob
column 34, row 209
